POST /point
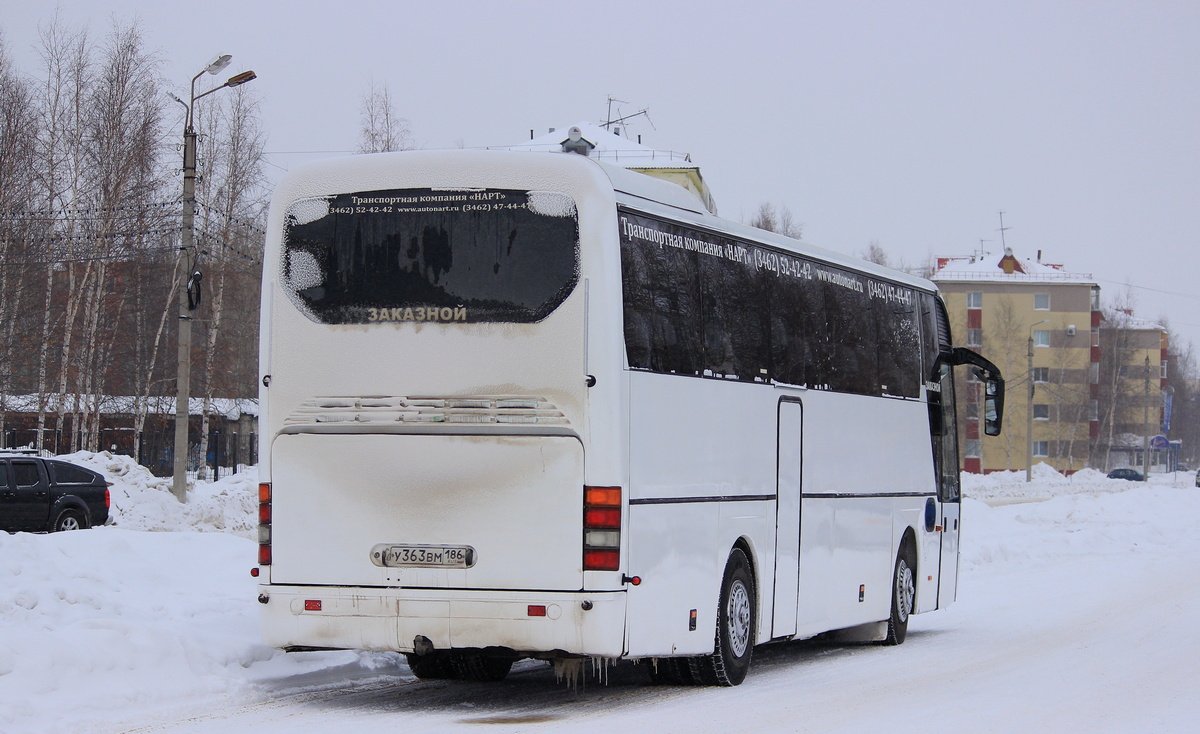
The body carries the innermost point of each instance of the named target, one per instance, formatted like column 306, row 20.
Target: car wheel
column 734, row 645
column 904, row 591
column 69, row 520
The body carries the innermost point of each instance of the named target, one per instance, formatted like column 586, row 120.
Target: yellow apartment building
column 1134, row 397
column 1040, row 324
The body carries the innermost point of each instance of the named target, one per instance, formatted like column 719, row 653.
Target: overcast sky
column 908, row 123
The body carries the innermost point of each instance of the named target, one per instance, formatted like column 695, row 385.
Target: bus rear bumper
column 529, row 622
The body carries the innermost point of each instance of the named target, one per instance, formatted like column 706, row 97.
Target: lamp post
column 1146, row 422
column 1029, row 408
column 189, row 277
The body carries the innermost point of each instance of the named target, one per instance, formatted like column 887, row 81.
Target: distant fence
column 228, row 450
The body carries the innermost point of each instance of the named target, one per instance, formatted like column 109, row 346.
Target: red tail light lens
column 601, row 528
column 264, row 524
column 107, row 499
column 601, row 517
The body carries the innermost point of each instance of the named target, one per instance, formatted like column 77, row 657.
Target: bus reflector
column 312, row 605
column 264, row 524
column 537, row 610
column 601, row 528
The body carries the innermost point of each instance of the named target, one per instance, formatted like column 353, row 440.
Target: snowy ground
column 1077, row 613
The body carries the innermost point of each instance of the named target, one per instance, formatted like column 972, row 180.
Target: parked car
column 49, row 495
column 1125, row 472
column 1198, row 479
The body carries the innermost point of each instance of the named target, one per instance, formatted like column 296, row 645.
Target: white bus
column 532, row 405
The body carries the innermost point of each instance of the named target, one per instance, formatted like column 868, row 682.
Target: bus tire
column 671, row 672
column 431, row 666
column 476, row 666
column 69, row 520
column 736, row 617
column 903, row 594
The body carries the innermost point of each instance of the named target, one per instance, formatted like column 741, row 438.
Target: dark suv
column 47, row 494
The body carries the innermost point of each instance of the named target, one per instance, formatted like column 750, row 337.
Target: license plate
column 391, row 555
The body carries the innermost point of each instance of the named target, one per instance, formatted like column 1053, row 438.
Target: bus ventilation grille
column 474, row 409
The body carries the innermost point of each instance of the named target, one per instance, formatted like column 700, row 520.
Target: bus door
column 787, row 519
column 946, row 450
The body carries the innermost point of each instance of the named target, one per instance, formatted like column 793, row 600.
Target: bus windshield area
column 425, row 255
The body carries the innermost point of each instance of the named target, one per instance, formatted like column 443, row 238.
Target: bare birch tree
column 381, row 129
column 779, row 221
column 233, row 198
column 17, row 130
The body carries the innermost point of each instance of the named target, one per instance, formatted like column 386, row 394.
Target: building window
column 1041, row 338
column 1094, row 410
column 1041, row 301
column 974, row 337
column 1041, row 412
column 1094, row 373
column 1041, row 448
column 1095, row 299
column 972, row 411
column 1095, row 336
column 973, row 448
column 974, row 300
column 1041, row 374
column 1163, row 369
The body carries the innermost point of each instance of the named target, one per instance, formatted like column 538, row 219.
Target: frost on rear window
column 551, row 204
column 308, row 210
column 466, row 255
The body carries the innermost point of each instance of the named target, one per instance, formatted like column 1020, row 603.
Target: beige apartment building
column 1040, row 324
column 1134, row 396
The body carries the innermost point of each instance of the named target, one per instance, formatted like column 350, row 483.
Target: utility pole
column 184, row 269
column 1146, row 422
column 189, row 277
column 1029, row 407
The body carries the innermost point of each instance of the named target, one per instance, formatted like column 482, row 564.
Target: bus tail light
column 264, row 524
column 601, row 528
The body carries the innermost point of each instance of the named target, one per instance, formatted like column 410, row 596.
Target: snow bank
column 119, row 627
column 142, row 501
column 1010, row 486
column 96, row 622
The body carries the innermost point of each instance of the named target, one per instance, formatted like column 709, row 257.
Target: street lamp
column 189, row 277
column 1029, row 408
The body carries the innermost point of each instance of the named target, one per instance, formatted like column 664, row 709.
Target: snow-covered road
column 1080, row 613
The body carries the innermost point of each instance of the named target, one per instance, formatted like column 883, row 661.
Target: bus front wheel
column 734, row 646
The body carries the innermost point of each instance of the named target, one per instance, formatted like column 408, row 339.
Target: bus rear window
column 479, row 255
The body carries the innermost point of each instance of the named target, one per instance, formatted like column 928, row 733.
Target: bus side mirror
column 993, row 404
column 993, row 387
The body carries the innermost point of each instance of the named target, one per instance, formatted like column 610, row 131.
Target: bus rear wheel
column 431, row 666
column 480, row 667
column 736, row 616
